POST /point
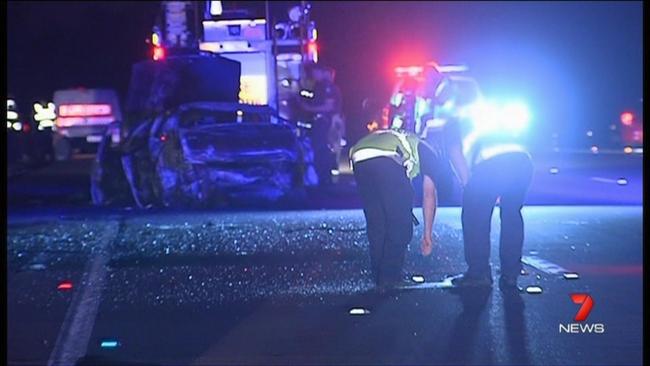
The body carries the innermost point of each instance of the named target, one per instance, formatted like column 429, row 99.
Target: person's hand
column 427, row 245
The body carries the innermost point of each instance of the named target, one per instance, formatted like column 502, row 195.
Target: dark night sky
column 571, row 61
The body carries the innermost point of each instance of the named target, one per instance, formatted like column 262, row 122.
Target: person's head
column 318, row 72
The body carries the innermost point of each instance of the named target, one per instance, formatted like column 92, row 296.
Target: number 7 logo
column 587, row 303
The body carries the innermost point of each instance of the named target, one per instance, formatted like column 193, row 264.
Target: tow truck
column 208, row 118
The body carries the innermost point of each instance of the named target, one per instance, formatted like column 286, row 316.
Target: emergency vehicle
column 426, row 97
column 423, row 96
column 274, row 58
column 82, row 119
column 205, row 119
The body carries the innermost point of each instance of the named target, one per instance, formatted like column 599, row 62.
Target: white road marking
column 543, row 265
column 603, row 180
column 72, row 341
column 446, row 283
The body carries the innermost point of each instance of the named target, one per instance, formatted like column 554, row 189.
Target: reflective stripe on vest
column 399, row 146
column 369, row 153
column 409, row 161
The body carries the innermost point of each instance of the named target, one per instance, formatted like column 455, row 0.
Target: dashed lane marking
column 72, row 341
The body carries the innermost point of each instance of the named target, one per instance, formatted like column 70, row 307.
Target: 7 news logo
column 586, row 304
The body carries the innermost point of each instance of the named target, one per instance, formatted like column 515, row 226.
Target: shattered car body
column 188, row 142
column 208, row 153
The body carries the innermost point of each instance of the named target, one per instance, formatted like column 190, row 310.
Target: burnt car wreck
column 188, row 142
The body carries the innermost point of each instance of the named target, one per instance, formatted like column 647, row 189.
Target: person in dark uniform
column 384, row 162
column 493, row 169
column 323, row 101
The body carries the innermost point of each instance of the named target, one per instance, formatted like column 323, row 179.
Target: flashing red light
column 163, row 138
column 158, row 53
column 410, row 70
column 27, row 128
column 312, row 48
column 84, row 110
column 627, row 118
column 64, row 286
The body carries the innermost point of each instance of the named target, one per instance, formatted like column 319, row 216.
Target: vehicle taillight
column 312, row 49
column 84, row 110
column 627, row 118
column 410, row 70
column 158, row 53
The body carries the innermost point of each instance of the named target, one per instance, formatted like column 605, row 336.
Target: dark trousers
column 507, row 176
column 387, row 198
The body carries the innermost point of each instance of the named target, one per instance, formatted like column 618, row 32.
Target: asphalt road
column 564, row 178
column 258, row 288
column 125, row 286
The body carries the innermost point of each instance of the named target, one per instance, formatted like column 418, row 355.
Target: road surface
column 91, row 285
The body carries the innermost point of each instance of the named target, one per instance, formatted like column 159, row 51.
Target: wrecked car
column 188, row 142
column 204, row 154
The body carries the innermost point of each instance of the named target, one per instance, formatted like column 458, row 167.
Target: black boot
column 467, row 279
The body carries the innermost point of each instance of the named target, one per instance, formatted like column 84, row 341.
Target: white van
column 83, row 116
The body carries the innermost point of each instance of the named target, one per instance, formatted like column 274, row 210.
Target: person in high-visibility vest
column 384, row 162
column 493, row 168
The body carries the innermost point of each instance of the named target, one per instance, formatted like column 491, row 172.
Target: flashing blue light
column 485, row 117
column 489, row 117
column 516, row 116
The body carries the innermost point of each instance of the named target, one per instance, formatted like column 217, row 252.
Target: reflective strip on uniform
column 409, row 162
column 369, row 153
